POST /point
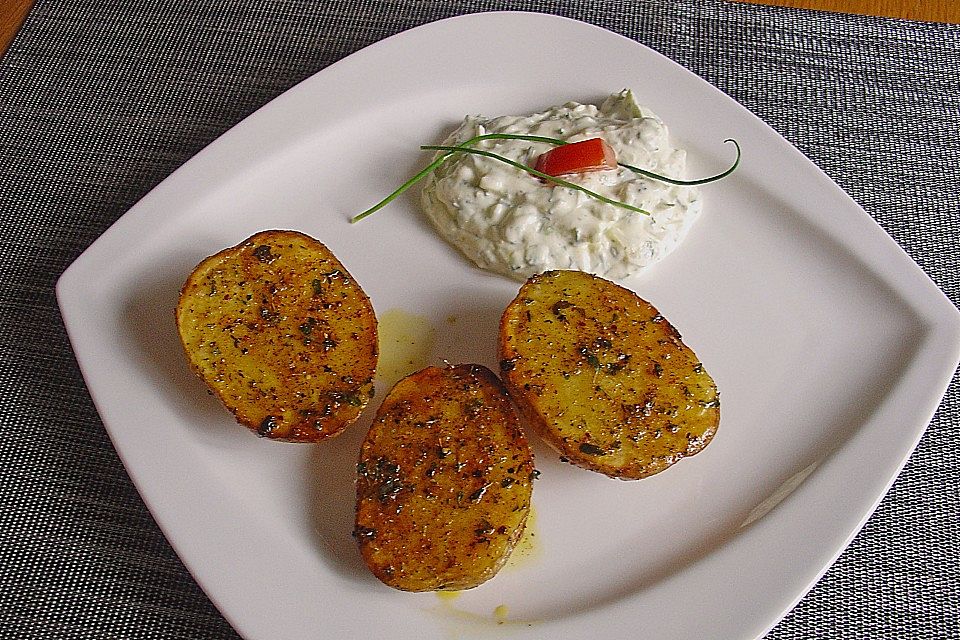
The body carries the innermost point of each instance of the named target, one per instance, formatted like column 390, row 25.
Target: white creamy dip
column 513, row 223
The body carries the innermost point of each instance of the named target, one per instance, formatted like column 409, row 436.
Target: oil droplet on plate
column 406, row 344
column 466, row 624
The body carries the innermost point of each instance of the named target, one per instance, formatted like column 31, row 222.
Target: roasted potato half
column 282, row 334
column 443, row 482
column 604, row 377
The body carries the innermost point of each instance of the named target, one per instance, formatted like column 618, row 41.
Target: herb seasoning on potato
column 443, row 482
column 282, row 334
column 604, row 377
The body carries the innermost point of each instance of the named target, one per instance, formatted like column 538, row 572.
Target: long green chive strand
column 463, row 148
column 540, row 174
column 688, row 183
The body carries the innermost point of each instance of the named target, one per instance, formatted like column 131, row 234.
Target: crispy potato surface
column 282, row 334
column 443, row 482
column 603, row 377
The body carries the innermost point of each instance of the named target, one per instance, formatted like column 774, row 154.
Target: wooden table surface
column 12, row 12
column 926, row 10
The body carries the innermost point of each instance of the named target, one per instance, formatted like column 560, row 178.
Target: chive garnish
column 464, row 147
column 688, row 183
column 539, row 174
column 423, row 173
column 406, row 185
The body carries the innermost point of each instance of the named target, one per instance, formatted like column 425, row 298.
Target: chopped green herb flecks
column 591, row 449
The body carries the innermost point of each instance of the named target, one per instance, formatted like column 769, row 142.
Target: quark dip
column 511, row 222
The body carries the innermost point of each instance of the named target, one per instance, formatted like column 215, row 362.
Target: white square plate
column 830, row 346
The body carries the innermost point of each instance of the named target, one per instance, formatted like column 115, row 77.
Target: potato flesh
column 604, row 377
column 282, row 334
column 443, row 482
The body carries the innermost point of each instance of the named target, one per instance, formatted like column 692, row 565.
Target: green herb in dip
column 516, row 224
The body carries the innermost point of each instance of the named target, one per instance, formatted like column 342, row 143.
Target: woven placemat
column 102, row 99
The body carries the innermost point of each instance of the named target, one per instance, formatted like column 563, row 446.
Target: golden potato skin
column 282, row 334
column 443, row 482
column 603, row 377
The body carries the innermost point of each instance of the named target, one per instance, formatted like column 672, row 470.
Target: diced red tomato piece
column 577, row 157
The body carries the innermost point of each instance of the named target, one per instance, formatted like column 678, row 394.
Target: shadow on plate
column 148, row 330
column 330, row 477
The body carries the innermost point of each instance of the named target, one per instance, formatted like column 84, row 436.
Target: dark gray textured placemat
column 100, row 100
